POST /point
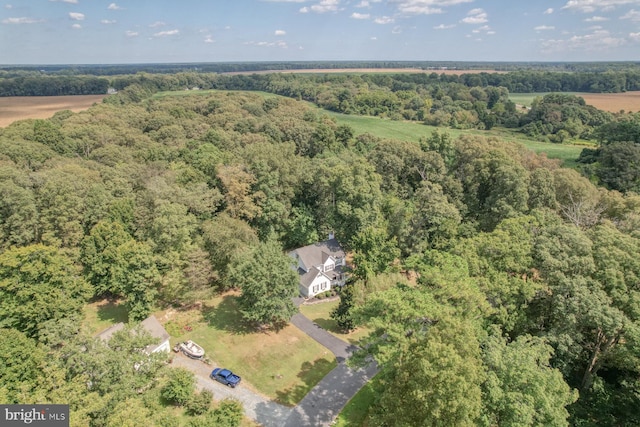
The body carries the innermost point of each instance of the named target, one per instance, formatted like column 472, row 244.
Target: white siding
column 319, row 285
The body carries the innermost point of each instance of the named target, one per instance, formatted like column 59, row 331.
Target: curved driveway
column 318, row 408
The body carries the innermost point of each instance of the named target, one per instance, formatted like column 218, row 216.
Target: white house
column 321, row 266
column 151, row 325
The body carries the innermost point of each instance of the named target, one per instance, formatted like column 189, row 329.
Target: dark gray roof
column 154, row 327
column 108, row 333
column 318, row 253
column 307, row 278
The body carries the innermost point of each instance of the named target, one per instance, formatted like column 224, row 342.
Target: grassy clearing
column 412, row 131
column 102, row 313
column 283, row 365
column 320, row 314
column 355, row 412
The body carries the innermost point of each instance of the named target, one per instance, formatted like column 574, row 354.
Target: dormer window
column 329, row 267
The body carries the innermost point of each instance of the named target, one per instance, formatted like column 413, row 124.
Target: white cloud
column 396, row 30
column 635, row 37
column 107, row 21
column 633, row 15
column 322, row 7
column 21, row 20
column 476, row 16
column 66, row 1
column 167, row 33
column 548, row 11
column 130, row 33
column 280, row 43
column 444, row 27
column 114, row 6
column 374, row 38
column 364, row 3
column 280, row 33
column 589, row 6
column 544, row 28
column 157, row 24
column 596, row 19
column 8, row 6
column 425, row 7
column 599, row 40
column 76, row 26
column 209, row 39
column 76, row 16
column 356, row 15
column 384, row 20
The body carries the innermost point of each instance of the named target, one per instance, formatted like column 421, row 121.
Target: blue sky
column 140, row 31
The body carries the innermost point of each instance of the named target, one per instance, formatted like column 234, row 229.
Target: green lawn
column 283, row 365
column 413, row 131
column 320, row 314
column 100, row 314
column 526, row 98
column 355, row 412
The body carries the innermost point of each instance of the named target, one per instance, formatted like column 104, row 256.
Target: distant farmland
column 13, row 108
column 613, row 102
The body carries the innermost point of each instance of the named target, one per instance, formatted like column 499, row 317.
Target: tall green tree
column 38, row 283
column 268, row 282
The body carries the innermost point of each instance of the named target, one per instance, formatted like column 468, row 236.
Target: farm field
column 613, row 102
column 13, row 108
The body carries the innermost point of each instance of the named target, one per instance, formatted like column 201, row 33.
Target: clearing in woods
column 13, row 108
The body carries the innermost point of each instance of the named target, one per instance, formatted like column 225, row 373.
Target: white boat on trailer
column 191, row 349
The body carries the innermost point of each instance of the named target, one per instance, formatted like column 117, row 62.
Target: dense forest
column 518, row 301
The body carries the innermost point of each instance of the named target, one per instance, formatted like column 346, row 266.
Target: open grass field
column 357, row 409
column 613, row 102
column 413, row 131
column 283, row 365
column 320, row 314
column 13, row 108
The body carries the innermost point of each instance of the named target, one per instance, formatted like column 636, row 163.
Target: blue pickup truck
column 225, row 377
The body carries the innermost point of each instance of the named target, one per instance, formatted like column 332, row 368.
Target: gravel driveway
column 256, row 406
column 318, row 408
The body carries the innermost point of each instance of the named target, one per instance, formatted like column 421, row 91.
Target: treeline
column 53, row 86
column 230, row 67
column 523, row 304
column 33, row 83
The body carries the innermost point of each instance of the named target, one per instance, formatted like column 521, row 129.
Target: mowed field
column 14, row 108
column 613, row 102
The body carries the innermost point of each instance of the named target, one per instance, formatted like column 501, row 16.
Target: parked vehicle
column 225, row 377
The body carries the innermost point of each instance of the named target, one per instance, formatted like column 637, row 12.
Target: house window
column 339, row 261
column 323, row 286
column 315, row 288
column 329, row 267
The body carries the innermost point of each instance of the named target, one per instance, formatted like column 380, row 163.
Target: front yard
column 320, row 313
column 283, row 366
